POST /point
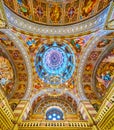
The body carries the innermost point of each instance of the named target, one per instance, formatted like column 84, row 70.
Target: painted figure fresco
column 32, row 42
column 9, row 86
column 6, row 75
column 78, row 43
column 106, row 74
column 88, row 7
column 55, row 13
column 24, row 7
column 103, row 43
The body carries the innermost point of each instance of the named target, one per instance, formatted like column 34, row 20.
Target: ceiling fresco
column 45, row 102
column 33, row 44
column 56, row 12
column 7, row 76
column 106, row 74
column 103, row 72
column 55, row 63
column 20, row 68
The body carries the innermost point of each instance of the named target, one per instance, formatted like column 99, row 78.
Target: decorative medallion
column 71, row 12
column 55, row 63
column 39, row 12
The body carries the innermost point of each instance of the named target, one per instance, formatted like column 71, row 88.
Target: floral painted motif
column 88, row 7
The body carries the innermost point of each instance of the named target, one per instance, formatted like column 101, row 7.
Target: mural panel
column 105, row 73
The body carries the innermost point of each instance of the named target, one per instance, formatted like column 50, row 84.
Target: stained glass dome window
column 55, row 63
column 54, row 114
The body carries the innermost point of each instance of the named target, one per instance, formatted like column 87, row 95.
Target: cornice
column 93, row 23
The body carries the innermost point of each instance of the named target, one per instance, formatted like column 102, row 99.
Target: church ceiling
column 51, row 61
column 34, row 44
column 56, row 12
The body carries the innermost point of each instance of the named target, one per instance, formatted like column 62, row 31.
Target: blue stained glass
column 58, row 117
column 55, row 63
column 54, row 114
column 49, row 116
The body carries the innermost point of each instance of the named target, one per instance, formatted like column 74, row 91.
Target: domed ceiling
column 55, row 63
column 56, row 12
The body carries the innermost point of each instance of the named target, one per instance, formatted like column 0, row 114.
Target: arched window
column 54, row 114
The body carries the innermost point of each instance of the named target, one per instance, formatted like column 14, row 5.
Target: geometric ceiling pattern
column 55, row 63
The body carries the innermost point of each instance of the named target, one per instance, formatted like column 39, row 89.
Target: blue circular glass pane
column 55, row 63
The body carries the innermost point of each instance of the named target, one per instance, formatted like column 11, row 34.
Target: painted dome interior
column 55, row 63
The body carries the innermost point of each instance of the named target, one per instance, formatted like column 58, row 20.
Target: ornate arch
column 83, row 61
column 25, row 55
